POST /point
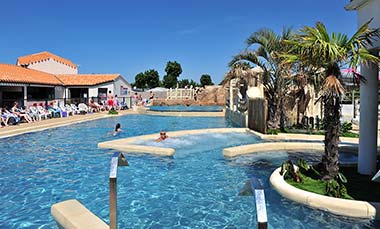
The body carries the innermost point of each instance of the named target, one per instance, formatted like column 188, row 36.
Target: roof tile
column 25, row 60
column 16, row 74
column 86, row 79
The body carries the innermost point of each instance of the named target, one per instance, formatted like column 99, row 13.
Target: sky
column 129, row 37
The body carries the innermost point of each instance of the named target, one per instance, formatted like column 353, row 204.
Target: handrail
column 262, row 220
column 117, row 159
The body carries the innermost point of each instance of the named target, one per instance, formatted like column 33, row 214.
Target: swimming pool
column 183, row 108
column 196, row 188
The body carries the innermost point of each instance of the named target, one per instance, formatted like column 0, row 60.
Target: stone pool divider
column 313, row 142
column 128, row 144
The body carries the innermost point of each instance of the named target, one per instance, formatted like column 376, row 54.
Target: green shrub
column 345, row 127
column 113, row 112
column 273, row 131
column 309, row 179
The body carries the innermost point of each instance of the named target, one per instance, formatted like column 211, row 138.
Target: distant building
column 45, row 76
column 48, row 62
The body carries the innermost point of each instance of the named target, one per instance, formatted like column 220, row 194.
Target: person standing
column 110, row 100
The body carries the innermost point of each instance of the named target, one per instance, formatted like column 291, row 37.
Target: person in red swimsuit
column 110, row 100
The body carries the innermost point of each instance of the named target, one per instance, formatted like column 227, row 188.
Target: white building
column 44, row 77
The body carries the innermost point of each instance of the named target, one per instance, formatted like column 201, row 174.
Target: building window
column 124, row 90
column 102, row 93
column 40, row 93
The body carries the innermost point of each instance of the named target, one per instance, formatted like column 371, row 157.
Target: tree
column 183, row 83
column 152, row 78
column 316, row 47
column 173, row 70
column 193, row 83
column 140, row 80
column 206, row 80
column 275, row 79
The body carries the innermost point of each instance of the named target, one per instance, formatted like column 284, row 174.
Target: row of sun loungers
column 40, row 112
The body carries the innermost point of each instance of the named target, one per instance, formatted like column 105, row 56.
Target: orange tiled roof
column 86, row 79
column 25, row 60
column 16, row 74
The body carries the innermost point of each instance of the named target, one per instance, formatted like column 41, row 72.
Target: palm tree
column 317, row 48
column 269, row 46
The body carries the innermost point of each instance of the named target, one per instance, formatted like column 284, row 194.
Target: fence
column 180, row 93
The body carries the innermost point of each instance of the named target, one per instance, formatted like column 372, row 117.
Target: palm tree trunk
column 330, row 160
column 282, row 114
column 273, row 108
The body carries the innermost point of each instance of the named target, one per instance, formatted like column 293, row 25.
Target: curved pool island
column 344, row 207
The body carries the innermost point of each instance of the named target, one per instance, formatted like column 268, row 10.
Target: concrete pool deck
column 56, row 122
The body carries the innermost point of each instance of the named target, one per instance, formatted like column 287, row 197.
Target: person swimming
column 117, row 129
column 162, row 137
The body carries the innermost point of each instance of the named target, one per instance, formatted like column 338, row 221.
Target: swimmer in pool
column 117, row 129
column 162, row 137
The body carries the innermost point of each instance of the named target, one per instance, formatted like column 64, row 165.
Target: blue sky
column 128, row 37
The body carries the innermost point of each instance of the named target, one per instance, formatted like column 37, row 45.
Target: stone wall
column 208, row 96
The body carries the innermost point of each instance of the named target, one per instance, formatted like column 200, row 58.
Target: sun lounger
column 75, row 109
column 83, row 109
column 44, row 112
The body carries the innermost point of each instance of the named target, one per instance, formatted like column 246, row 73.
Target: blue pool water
column 197, row 188
column 182, row 108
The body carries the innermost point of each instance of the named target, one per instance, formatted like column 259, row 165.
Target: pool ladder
column 257, row 188
column 117, row 160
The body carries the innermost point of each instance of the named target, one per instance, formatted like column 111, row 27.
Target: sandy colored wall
column 53, row 67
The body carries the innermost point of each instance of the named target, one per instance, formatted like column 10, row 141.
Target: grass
column 359, row 187
column 312, row 185
column 349, row 135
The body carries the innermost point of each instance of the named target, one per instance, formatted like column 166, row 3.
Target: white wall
column 118, row 83
column 59, row 94
column 53, row 67
column 93, row 91
column 371, row 9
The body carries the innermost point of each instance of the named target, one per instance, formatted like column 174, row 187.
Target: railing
column 262, row 220
column 117, row 159
column 180, row 93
